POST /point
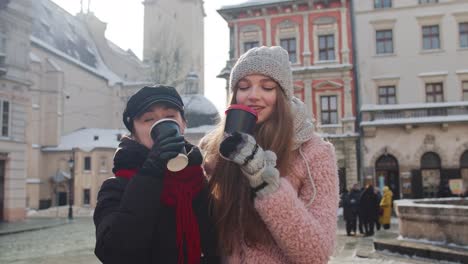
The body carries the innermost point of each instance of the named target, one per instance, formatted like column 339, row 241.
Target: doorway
column 387, row 174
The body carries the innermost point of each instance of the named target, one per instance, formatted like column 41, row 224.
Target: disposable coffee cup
column 162, row 126
column 240, row 118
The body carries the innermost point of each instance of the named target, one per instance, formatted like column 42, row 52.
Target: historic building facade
column 318, row 37
column 59, row 75
column 173, row 43
column 15, row 29
column 414, row 92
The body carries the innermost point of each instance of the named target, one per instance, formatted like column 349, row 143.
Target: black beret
column 148, row 96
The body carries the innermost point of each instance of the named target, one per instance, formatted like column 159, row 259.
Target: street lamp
column 71, row 165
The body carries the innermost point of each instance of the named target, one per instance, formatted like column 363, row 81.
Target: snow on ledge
column 425, row 203
column 416, row 120
column 374, row 107
column 430, row 74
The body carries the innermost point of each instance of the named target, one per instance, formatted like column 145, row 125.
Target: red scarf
column 179, row 189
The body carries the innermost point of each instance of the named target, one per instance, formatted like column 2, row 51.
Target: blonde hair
column 232, row 203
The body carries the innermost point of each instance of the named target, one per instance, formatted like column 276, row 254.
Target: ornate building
column 173, row 40
column 317, row 35
column 412, row 58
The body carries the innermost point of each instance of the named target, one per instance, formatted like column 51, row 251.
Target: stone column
column 268, row 31
column 236, row 40
column 308, row 97
column 306, row 54
column 344, row 33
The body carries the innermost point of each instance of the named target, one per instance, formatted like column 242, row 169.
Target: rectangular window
column 382, row 3
column 387, row 95
column 384, row 41
column 465, row 90
column 428, row 1
column 289, row 44
column 327, row 47
column 87, row 163
column 4, row 118
column 463, row 34
column 431, row 39
column 250, row 44
column 86, row 196
column 329, row 110
column 434, row 92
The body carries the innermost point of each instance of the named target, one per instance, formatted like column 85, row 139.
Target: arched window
column 430, row 172
column 326, row 40
column 430, row 160
column 386, row 162
column 287, row 35
column 250, row 37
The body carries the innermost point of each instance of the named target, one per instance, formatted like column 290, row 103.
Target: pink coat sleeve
column 305, row 234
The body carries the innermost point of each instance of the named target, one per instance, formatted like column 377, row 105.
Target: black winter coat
column 133, row 226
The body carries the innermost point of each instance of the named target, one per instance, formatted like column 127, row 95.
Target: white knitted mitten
column 256, row 164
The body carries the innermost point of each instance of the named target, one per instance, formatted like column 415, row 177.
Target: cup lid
column 178, row 163
column 242, row 107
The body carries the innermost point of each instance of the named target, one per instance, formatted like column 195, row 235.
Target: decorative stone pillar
column 306, row 54
column 308, row 97
column 268, row 30
column 344, row 33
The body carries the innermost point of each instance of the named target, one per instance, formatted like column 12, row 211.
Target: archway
column 430, row 173
column 464, row 169
column 387, row 174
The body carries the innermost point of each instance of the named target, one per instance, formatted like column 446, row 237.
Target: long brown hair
column 233, row 208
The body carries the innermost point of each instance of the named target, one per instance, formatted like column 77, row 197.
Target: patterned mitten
column 256, row 164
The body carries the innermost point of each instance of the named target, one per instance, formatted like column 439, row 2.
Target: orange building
column 318, row 36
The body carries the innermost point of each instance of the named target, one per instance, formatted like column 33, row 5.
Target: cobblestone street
column 73, row 243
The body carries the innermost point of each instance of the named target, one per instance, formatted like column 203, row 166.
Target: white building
column 413, row 81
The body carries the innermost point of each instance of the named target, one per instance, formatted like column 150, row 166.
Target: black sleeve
column 125, row 217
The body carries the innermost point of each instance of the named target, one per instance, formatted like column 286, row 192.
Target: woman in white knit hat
column 276, row 193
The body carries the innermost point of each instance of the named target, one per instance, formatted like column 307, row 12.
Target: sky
column 124, row 20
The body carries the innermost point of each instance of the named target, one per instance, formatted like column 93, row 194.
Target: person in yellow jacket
column 386, row 207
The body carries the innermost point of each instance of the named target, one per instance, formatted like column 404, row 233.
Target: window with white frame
column 86, row 196
column 289, row 44
column 434, row 92
column 387, row 95
column 87, row 164
column 250, row 44
column 463, row 34
column 329, row 110
column 327, row 47
column 103, row 164
column 465, row 90
column 382, row 3
column 384, row 41
column 5, row 118
column 428, row 1
column 431, row 37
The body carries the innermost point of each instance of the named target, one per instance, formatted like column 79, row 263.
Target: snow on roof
column 34, row 58
column 464, row 71
column 373, row 107
column 318, row 67
column 344, row 135
column 199, row 104
column 88, row 139
column 416, row 120
column 253, row 3
column 65, row 35
column 429, row 74
column 201, row 129
column 430, row 203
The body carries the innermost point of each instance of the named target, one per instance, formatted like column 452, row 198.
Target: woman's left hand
column 256, row 164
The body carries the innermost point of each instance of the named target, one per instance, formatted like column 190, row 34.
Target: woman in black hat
column 147, row 214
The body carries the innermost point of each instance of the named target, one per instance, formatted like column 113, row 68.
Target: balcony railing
column 414, row 113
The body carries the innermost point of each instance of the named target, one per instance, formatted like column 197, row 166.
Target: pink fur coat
column 302, row 234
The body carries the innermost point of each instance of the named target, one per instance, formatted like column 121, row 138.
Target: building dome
column 199, row 111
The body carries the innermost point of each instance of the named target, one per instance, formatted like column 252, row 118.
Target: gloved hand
column 165, row 147
column 256, row 164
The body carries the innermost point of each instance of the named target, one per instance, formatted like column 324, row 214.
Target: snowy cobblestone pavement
column 73, row 243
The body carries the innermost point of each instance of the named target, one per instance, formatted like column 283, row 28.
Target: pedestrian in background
column 147, row 214
column 386, row 207
column 353, row 205
column 369, row 206
column 276, row 192
column 379, row 198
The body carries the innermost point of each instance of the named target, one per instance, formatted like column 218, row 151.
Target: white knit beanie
column 269, row 61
